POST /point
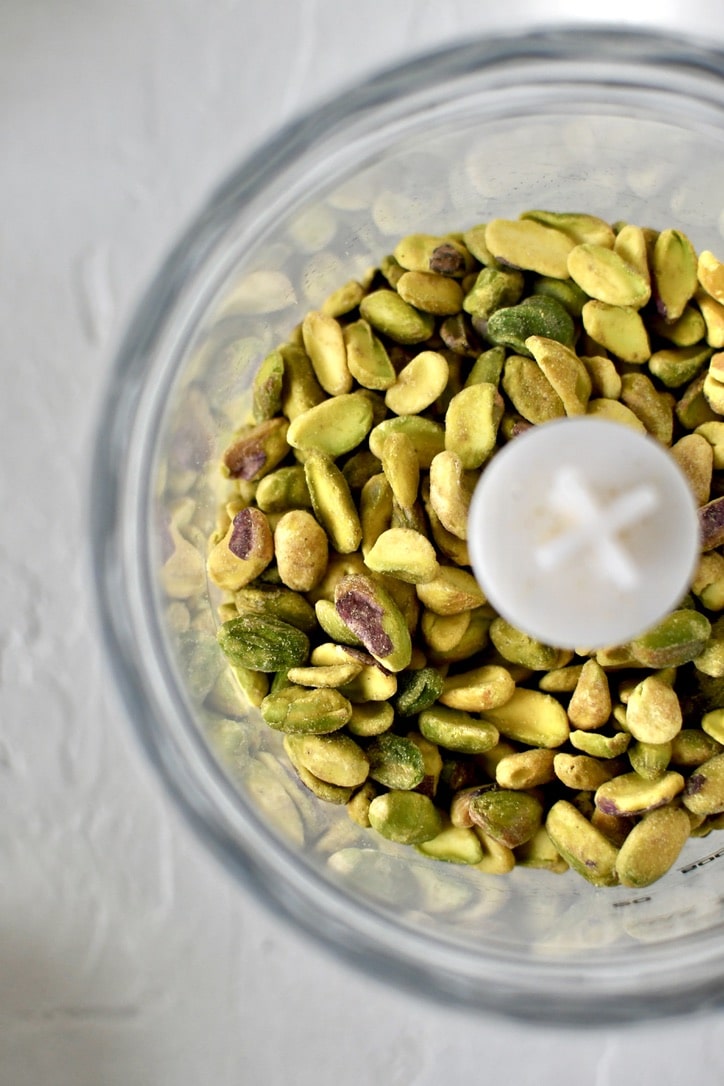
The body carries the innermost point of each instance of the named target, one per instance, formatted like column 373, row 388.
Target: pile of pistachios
column 350, row 615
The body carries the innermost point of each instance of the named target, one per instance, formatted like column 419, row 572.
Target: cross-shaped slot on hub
column 589, row 526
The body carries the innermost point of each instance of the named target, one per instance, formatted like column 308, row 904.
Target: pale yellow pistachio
column 418, row 384
column 620, row 329
column 529, row 245
column 604, row 274
column 405, row 554
column 673, row 273
column 590, row 704
column 695, row 457
column 324, row 343
column 479, row 690
column 451, row 490
column 301, row 550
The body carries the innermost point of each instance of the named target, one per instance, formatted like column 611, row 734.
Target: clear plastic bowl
column 623, row 125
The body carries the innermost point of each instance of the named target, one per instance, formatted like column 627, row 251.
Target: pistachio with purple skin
column 244, row 552
column 258, row 450
column 372, row 615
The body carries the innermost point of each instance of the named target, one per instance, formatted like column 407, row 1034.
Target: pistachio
column 654, row 409
column 395, row 762
column 687, row 330
column 480, row 690
column 336, row 759
column 450, row 492
column 713, row 387
column 283, row 489
column 693, row 409
column 245, row 551
column 370, row 552
column 564, row 370
column 565, row 291
column 692, row 747
column 454, row 845
column 511, row 818
column 604, row 274
column 677, row 639
column 590, row 704
column 530, row 391
column 529, row 245
column 451, row 592
column 327, row 675
column 372, row 615
column 332, row 502
column 401, row 468
column 650, row 760
column 358, row 805
column 418, row 384
column 519, row 648
column 497, row 859
column 405, row 554
column 712, row 723
column 582, row 771
column 712, row 313
column 373, row 684
column 391, row 315
column 710, row 273
column 630, row 245
column 494, row 288
column 561, row 680
column 652, row 847
column 324, row 343
column 277, row 602
column 297, row 709
column 540, row 852
column 334, row 426
column 471, row 424
column 704, row 792
column 600, row 746
column 301, row 550
column 257, row 450
column 676, row 366
column 537, row 315
column 631, row 795
column 618, row 329
column 408, row 818
column 417, row 690
column 711, row 524
column 714, row 434
column 531, row 717
column 525, row 769
column 343, row 300
column 674, row 273
column 427, row 252
column 427, row 436
column 267, row 387
column 581, row 228
column 695, row 457
column 487, row 367
column 581, row 845
column 300, row 387
column 454, row 729
column 431, row 293
column 182, row 575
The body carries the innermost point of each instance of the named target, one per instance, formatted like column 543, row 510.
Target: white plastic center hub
column 583, row 533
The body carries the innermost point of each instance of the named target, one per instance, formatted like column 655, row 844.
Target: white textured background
column 126, row 955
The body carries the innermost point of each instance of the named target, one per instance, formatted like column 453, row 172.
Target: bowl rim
column 510, row 988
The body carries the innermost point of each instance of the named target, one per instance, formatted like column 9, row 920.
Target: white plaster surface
column 127, row 956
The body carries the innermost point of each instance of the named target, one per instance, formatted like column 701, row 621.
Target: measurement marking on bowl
column 631, row 901
column 702, row 862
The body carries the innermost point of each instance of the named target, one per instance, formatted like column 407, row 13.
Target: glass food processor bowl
column 624, row 125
